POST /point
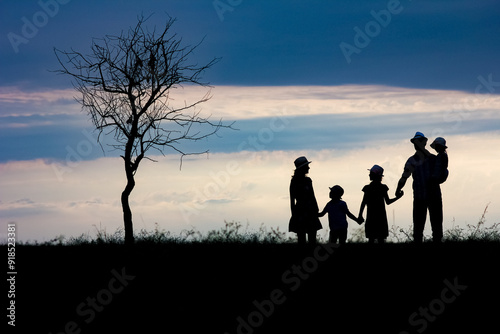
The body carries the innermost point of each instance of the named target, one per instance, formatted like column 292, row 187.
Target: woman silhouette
column 303, row 204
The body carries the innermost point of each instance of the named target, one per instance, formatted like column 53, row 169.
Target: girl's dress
column 376, row 226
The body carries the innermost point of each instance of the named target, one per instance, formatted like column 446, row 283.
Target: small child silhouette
column 376, row 194
column 440, row 172
column 337, row 211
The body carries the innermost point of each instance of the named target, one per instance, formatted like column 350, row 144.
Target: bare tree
column 125, row 85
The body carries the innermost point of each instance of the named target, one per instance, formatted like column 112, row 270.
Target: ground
column 258, row 288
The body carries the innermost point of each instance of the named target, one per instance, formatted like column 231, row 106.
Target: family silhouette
column 428, row 171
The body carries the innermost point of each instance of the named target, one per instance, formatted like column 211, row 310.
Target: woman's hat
column 377, row 170
column 418, row 136
column 439, row 141
column 301, row 162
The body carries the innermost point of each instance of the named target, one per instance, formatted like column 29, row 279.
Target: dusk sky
column 345, row 83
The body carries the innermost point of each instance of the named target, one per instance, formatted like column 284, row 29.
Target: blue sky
column 346, row 82
column 426, row 44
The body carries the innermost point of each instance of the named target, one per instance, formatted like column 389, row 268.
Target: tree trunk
column 127, row 213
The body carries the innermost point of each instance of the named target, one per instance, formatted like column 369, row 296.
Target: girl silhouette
column 375, row 199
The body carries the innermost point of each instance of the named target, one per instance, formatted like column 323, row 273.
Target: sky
column 344, row 83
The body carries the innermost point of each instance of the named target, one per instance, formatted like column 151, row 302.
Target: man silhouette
column 425, row 195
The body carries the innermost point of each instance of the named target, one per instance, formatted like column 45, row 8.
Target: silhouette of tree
column 125, row 84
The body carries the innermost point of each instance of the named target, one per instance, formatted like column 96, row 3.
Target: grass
column 234, row 232
column 231, row 232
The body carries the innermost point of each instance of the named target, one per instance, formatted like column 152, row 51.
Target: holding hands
column 360, row 220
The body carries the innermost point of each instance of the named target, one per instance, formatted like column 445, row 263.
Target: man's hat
column 439, row 141
column 301, row 162
column 418, row 136
column 377, row 170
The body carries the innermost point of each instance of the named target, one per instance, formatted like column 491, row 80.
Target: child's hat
column 418, row 136
column 439, row 141
column 337, row 190
column 377, row 170
column 301, row 162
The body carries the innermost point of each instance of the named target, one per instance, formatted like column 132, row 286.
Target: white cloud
column 244, row 102
column 234, row 102
column 15, row 96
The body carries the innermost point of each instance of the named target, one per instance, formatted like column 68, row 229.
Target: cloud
column 247, row 102
column 268, row 118
column 13, row 94
column 38, row 123
column 233, row 102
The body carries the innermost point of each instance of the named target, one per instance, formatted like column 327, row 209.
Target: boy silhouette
column 337, row 212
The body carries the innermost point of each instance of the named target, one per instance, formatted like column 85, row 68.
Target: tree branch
column 125, row 84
